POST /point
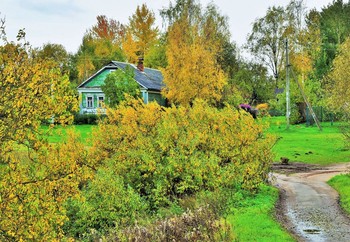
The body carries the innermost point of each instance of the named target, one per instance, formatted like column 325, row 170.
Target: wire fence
column 322, row 114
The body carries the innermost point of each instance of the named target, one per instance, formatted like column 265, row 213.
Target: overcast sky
column 65, row 21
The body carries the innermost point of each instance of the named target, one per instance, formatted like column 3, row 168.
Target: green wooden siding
column 156, row 97
column 94, row 95
column 98, row 80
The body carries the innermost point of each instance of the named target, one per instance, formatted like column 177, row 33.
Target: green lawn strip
column 253, row 219
column 307, row 144
column 59, row 133
column 341, row 183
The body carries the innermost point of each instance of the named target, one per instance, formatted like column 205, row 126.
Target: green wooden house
column 91, row 96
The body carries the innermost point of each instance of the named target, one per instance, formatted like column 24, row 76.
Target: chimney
column 140, row 64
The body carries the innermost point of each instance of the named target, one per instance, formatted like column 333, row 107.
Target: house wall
column 156, row 96
column 95, row 94
column 95, row 98
column 98, row 80
column 84, row 109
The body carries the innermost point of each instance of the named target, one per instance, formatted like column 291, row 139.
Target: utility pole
column 288, row 110
column 308, row 103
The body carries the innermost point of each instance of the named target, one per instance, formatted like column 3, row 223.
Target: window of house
column 100, row 101
column 89, row 102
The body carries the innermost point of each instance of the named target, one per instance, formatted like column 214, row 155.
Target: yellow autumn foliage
column 338, row 80
column 141, row 33
column 130, row 47
column 165, row 153
column 36, row 178
column 192, row 71
column 301, row 62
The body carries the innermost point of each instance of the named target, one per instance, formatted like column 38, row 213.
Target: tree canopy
column 196, row 72
column 101, row 44
column 142, row 32
column 338, row 83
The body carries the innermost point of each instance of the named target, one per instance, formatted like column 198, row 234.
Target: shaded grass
column 307, row 144
column 253, row 219
column 341, row 183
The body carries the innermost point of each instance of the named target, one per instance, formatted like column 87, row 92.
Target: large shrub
column 165, row 153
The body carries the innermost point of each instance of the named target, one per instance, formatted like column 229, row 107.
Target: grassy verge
column 301, row 143
column 341, row 183
column 253, row 219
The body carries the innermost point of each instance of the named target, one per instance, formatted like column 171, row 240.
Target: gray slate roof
column 150, row 79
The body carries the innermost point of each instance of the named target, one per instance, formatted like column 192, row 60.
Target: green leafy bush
column 107, row 203
column 87, row 118
column 118, row 84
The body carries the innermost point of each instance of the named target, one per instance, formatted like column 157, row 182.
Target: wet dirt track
column 310, row 206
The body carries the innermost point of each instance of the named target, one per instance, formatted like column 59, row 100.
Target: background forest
column 155, row 172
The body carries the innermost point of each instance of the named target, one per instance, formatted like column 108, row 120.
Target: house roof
column 150, row 79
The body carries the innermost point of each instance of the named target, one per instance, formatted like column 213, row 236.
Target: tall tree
column 55, row 52
column 254, row 83
column 108, row 29
column 310, row 36
column 338, row 80
column 193, row 70
column 212, row 25
column 267, row 39
column 174, row 13
column 156, row 55
column 334, row 28
column 141, row 33
column 101, row 44
column 266, row 42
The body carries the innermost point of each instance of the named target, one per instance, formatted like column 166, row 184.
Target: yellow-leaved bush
column 166, row 153
column 36, row 177
column 34, row 186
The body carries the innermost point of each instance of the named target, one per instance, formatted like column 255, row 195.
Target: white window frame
column 99, row 103
column 87, row 101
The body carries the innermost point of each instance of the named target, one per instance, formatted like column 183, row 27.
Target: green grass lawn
column 59, row 133
column 307, row 144
column 253, row 220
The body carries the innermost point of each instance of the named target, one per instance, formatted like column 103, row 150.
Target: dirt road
column 310, row 208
